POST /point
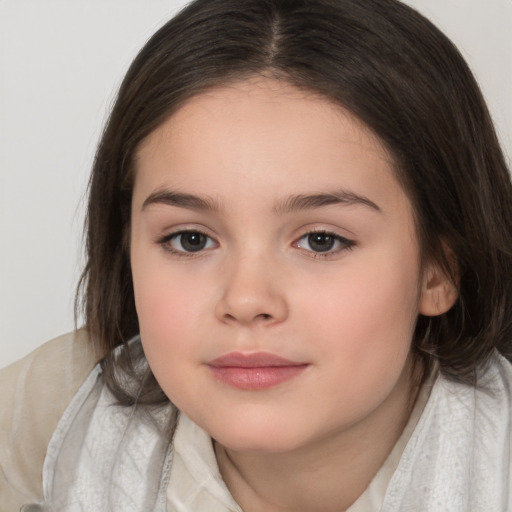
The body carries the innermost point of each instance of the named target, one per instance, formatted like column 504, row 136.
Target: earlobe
column 438, row 292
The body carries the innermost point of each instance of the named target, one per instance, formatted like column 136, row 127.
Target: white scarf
column 107, row 458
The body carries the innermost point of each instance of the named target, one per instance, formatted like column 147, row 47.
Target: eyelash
column 165, row 243
column 345, row 243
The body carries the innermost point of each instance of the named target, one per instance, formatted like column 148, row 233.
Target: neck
column 328, row 474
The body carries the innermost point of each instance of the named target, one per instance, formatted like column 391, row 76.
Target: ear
column 438, row 292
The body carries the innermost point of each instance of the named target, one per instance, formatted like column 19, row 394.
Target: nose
column 252, row 294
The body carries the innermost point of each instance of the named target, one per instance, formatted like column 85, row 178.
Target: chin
column 260, row 439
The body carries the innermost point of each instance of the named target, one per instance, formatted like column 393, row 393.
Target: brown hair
column 395, row 71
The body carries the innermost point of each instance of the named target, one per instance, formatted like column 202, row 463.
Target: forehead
column 261, row 101
column 232, row 138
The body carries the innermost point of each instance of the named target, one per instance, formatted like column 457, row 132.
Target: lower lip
column 253, row 379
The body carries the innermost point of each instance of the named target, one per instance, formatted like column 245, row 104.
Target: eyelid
column 165, row 242
column 346, row 243
column 343, row 242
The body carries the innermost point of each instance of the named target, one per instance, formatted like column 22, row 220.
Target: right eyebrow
column 319, row 200
column 181, row 200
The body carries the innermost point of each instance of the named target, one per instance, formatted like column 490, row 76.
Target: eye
column 187, row 242
column 323, row 242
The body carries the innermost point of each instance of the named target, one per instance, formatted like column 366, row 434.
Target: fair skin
column 235, row 269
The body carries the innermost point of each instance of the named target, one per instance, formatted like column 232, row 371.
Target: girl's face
column 276, row 267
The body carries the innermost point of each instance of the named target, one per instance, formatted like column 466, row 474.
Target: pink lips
column 254, row 371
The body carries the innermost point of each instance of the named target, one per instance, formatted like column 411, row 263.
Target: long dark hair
column 396, row 72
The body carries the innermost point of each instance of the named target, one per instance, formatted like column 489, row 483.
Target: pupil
column 320, row 242
column 193, row 241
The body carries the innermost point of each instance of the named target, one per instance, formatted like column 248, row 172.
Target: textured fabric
column 34, row 392
column 456, row 460
column 459, row 457
column 196, row 483
column 37, row 390
column 104, row 457
column 371, row 500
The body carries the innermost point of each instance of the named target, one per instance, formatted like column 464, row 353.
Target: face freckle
column 254, row 168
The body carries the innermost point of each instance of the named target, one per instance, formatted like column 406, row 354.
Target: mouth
column 254, row 371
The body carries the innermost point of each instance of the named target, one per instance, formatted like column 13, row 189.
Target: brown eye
column 193, row 241
column 189, row 241
column 321, row 242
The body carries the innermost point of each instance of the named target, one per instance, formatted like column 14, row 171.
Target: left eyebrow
column 181, row 200
column 308, row 201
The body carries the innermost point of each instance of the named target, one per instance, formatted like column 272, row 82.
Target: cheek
column 167, row 306
column 363, row 329
column 169, row 314
column 367, row 313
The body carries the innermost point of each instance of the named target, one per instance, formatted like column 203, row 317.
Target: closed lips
column 254, row 371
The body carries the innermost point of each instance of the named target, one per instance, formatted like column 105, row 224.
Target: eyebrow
column 181, row 200
column 309, row 201
column 291, row 204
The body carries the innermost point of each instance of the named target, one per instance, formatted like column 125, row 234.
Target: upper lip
column 252, row 360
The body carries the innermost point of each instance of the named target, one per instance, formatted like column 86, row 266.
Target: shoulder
column 491, row 395
column 493, row 405
column 484, row 409
column 496, row 375
column 34, row 392
column 458, row 457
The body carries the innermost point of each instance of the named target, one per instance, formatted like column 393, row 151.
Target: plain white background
column 61, row 62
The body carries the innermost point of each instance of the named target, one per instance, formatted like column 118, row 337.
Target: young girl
column 298, row 283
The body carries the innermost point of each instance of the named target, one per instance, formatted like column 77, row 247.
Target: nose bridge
column 252, row 292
